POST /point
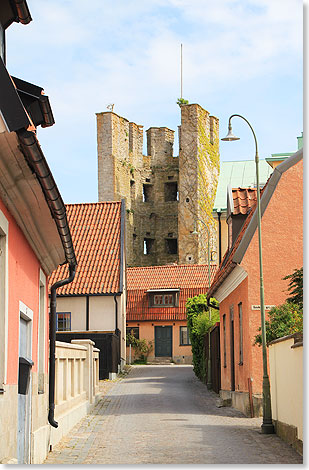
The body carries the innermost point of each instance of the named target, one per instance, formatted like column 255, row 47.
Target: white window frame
column 41, row 331
column 4, row 289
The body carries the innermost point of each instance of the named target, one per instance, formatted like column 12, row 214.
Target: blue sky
column 239, row 56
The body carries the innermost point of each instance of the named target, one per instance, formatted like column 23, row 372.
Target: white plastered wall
column 77, row 307
column 102, row 313
column 286, row 383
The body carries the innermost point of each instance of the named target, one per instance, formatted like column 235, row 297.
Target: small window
column 184, row 336
column 167, row 299
column 63, row 321
column 171, row 246
column 148, row 246
column 170, row 191
column 224, row 340
column 147, row 192
column 133, row 331
column 241, row 354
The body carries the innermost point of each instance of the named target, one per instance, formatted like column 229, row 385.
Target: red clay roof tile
column 244, row 199
column 191, row 280
column 96, row 233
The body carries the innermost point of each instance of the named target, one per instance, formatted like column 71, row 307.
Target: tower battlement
column 157, row 186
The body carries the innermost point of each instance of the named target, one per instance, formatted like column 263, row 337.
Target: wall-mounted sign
column 258, row 307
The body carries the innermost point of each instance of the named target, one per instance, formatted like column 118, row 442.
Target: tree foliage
column 295, row 287
column 199, row 320
column 286, row 319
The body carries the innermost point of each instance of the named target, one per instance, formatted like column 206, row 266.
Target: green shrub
column 199, row 321
column 283, row 320
column 142, row 348
column 181, row 101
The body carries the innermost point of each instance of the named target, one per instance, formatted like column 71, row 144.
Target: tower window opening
column 147, row 192
column 171, row 246
column 148, row 246
column 171, row 191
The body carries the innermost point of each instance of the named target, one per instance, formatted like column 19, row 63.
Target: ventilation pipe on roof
column 52, row 343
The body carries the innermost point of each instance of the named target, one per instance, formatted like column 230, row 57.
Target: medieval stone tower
column 165, row 196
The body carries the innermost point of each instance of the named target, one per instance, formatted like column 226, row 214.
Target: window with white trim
column 184, row 336
column 4, row 228
column 41, row 336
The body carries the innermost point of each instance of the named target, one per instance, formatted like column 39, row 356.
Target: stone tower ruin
column 164, row 195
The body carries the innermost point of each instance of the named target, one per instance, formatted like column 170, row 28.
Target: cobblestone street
column 164, row 415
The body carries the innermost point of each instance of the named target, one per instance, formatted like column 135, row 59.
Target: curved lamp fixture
column 267, row 425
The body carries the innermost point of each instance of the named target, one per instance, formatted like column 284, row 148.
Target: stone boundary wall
column 76, row 392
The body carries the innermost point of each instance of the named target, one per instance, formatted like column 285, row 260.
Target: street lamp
column 267, row 425
column 195, row 232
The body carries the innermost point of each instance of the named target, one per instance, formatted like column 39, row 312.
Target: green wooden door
column 163, row 341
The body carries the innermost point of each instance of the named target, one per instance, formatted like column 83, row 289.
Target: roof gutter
column 37, row 162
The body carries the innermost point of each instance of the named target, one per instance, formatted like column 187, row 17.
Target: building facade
column 165, row 195
column 237, row 282
column 34, row 240
column 93, row 306
column 156, row 307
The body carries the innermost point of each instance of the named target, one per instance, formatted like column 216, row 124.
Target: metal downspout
column 116, row 313
column 52, row 342
column 220, row 247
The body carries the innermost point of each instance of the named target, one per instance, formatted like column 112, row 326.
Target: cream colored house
column 93, row 306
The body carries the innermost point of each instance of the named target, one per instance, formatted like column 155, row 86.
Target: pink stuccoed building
column 34, row 240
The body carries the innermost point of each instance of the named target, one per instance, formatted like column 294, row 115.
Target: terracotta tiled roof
column 191, row 280
column 169, row 276
column 96, row 234
column 243, row 199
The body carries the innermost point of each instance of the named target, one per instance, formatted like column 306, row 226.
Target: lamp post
column 195, row 232
column 267, row 425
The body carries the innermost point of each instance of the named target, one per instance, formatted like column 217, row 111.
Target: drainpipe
column 116, row 313
column 52, row 343
column 220, row 248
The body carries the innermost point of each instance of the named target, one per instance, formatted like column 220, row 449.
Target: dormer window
column 163, row 297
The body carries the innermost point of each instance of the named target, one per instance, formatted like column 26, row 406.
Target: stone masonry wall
column 198, row 177
column 154, row 193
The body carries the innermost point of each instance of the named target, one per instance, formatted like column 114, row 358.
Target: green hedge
column 199, row 320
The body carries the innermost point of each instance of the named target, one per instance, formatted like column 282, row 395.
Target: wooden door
column 163, row 341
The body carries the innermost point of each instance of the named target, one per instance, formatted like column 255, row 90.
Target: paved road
column 164, row 415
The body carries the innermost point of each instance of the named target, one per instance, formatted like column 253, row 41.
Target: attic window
column 171, row 246
column 171, row 192
column 164, row 299
column 148, row 246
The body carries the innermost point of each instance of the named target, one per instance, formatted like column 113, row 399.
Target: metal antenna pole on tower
column 181, row 71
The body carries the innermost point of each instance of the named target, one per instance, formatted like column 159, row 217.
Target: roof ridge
column 91, row 203
column 169, row 266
